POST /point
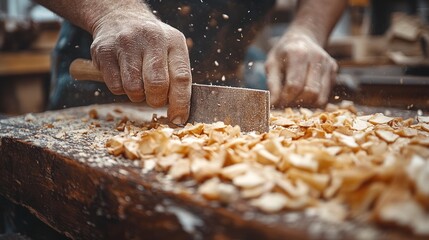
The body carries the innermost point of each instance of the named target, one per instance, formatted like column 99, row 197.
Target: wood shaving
column 334, row 164
column 270, row 202
column 93, row 114
column 379, row 118
column 387, row 136
column 423, row 119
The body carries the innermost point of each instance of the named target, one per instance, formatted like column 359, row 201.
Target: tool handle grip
column 83, row 69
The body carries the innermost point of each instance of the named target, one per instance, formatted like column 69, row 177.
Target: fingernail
column 178, row 120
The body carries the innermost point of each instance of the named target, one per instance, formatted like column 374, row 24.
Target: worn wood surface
column 55, row 164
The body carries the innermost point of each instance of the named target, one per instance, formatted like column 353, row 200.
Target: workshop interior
column 101, row 172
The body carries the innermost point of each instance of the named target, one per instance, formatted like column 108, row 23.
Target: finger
column 296, row 73
column 180, row 84
column 105, row 60
column 313, row 83
column 155, row 77
column 328, row 79
column 131, row 75
column 275, row 77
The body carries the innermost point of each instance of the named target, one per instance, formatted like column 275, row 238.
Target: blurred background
column 381, row 47
column 28, row 33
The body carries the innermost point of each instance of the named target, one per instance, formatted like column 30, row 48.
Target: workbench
column 56, row 165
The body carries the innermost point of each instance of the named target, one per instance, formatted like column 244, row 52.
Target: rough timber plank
column 55, row 165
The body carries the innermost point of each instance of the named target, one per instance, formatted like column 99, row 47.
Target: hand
column 299, row 72
column 144, row 58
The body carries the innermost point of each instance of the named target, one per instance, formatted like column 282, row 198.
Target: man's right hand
column 144, row 58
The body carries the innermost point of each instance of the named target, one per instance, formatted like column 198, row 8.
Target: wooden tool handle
column 83, row 69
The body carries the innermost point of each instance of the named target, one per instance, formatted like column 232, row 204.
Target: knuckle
column 318, row 58
column 97, row 45
column 102, row 51
column 153, row 34
column 116, row 88
column 297, row 47
column 116, row 91
column 283, row 53
column 312, row 91
column 178, row 36
column 124, row 39
column 268, row 63
column 182, row 75
column 133, row 88
column 294, row 86
column 271, row 62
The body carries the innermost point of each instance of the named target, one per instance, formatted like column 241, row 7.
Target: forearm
column 86, row 13
column 317, row 18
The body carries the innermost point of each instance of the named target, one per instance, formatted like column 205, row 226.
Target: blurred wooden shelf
column 25, row 63
column 25, row 75
column 33, row 61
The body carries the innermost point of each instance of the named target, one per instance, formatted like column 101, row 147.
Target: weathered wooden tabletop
column 55, row 164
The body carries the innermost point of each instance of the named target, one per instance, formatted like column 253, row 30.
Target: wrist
column 317, row 18
column 99, row 12
column 295, row 32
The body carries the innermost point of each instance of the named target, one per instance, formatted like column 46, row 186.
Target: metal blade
column 247, row 108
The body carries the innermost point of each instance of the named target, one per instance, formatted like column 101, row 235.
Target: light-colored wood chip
column 348, row 141
column 360, row 125
column 248, row 180
column 418, row 170
column 317, row 181
column 387, row 136
column 423, row 119
column 265, row 157
column 299, row 189
column 115, row 145
column 131, row 149
column 235, row 170
column 180, row 169
column 164, row 163
column 407, row 132
column 282, row 121
column 257, row 191
column 270, row 202
column 209, row 189
column 425, row 127
column 306, row 161
column 203, row 169
column 380, row 118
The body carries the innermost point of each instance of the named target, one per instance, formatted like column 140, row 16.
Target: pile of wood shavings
column 333, row 164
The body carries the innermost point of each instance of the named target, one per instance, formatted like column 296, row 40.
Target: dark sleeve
column 219, row 31
column 74, row 42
